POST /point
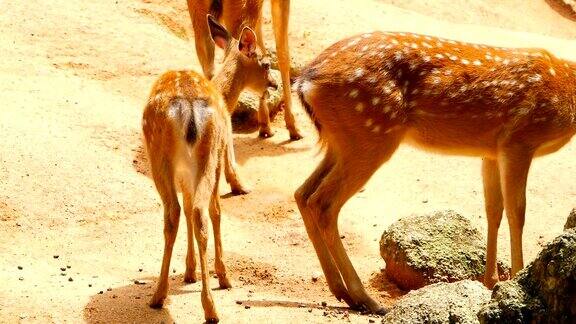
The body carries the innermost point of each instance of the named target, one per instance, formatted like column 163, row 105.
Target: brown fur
column 369, row 93
column 186, row 126
column 236, row 14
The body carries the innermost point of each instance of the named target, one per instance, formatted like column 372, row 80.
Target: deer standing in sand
column 234, row 15
column 369, row 93
column 188, row 137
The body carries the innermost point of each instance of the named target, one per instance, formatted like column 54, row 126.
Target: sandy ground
column 75, row 189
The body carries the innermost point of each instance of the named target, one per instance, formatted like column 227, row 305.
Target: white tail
column 369, row 93
column 188, row 136
column 235, row 14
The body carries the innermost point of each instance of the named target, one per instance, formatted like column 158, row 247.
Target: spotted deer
column 234, row 15
column 188, row 137
column 369, row 93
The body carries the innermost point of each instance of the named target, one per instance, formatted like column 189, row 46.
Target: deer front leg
column 280, row 16
column 494, row 207
column 514, row 165
column 202, row 40
column 264, row 117
column 230, row 171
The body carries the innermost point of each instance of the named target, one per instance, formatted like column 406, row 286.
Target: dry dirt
column 75, row 190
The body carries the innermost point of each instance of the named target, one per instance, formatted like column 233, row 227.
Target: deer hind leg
column 514, row 164
column 215, row 215
column 494, row 207
column 202, row 40
column 350, row 172
column 207, row 167
column 280, row 16
column 190, row 274
column 163, row 174
column 333, row 277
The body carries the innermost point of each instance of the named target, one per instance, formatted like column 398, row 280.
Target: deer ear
column 247, row 44
column 219, row 34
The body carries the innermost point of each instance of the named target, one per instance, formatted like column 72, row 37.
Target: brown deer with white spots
column 369, row 93
column 234, row 15
column 188, row 136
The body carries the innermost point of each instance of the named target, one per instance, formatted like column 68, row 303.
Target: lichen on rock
column 440, row 247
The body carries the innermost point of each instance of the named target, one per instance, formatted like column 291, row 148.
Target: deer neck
column 230, row 83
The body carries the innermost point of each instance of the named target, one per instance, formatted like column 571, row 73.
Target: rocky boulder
column 456, row 302
column 543, row 292
column 245, row 116
column 440, row 247
column 571, row 221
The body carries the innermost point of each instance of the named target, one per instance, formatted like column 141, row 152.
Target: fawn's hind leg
column 163, row 173
column 215, row 214
column 190, row 274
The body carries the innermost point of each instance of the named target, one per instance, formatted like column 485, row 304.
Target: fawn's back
column 183, row 107
column 440, row 94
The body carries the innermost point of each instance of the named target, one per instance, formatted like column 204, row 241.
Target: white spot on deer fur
column 414, row 45
column 535, row 78
column 439, row 56
column 353, row 93
column 477, row 62
column 375, row 101
column 465, row 61
column 372, row 79
column 364, row 48
column 555, row 99
column 386, row 109
column 454, row 57
column 552, row 71
column 367, row 35
column 376, row 129
column 393, row 115
column 506, row 62
column 497, row 58
column 426, row 58
column 394, row 41
column 305, row 86
column 436, row 80
column 397, row 55
column 369, row 122
column 426, row 45
column 359, row 107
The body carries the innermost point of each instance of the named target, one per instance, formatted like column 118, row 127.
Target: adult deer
column 188, row 136
column 369, row 93
column 234, row 15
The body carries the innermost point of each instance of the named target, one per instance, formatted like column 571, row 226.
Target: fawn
column 234, row 14
column 369, row 93
column 187, row 130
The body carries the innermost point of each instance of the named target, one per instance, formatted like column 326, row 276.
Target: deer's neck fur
column 230, row 83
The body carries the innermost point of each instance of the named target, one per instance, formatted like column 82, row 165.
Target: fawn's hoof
column 190, row 277
column 240, row 191
column 265, row 133
column 224, row 283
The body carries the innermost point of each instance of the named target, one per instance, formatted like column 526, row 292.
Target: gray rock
column 440, row 247
column 571, row 221
column 456, row 302
column 245, row 116
column 295, row 64
column 543, row 292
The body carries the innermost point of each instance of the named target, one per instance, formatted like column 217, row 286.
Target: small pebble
column 62, row 274
column 342, row 237
column 370, row 321
column 325, row 314
column 89, row 285
column 21, row 278
column 70, row 279
column 109, row 289
column 56, row 256
column 173, row 270
column 247, row 307
column 19, row 267
column 140, row 270
column 62, row 269
column 68, row 267
column 309, row 310
column 238, row 302
column 100, row 292
column 323, row 304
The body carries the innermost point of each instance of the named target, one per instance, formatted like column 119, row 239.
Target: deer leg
column 190, row 274
column 230, row 172
column 339, row 185
column 514, row 164
column 494, row 207
column 202, row 40
column 163, row 178
column 280, row 16
column 215, row 214
column 302, row 195
column 259, row 35
column 264, row 117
